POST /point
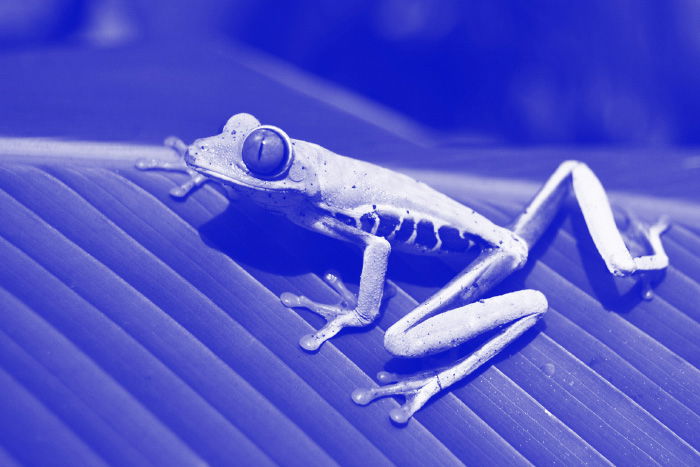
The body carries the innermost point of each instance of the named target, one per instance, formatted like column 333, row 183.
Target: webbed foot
column 653, row 235
column 417, row 390
column 640, row 236
column 337, row 316
column 179, row 146
column 176, row 144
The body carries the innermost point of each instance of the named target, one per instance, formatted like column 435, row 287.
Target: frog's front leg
column 352, row 311
column 179, row 146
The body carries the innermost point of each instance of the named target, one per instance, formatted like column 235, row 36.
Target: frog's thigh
column 453, row 327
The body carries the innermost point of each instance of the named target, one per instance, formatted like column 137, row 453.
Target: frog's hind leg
column 598, row 215
column 179, row 146
column 423, row 331
column 515, row 312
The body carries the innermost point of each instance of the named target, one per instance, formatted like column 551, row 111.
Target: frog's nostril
column 199, row 145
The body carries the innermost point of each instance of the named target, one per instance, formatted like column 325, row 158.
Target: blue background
column 517, row 72
column 138, row 329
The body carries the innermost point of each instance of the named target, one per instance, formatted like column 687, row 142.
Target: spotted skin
column 405, row 231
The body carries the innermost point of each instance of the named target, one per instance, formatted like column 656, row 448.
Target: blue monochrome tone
column 380, row 210
column 459, row 266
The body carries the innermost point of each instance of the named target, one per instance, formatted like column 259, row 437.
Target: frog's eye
column 266, row 151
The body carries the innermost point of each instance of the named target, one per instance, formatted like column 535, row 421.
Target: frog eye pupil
column 265, row 152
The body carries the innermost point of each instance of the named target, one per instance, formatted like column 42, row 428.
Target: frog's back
column 410, row 214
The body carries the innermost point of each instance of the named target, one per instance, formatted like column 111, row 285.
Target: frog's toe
column 309, row 343
column 645, row 288
column 348, row 298
column 158, row 164
column 650, row 235
column 176, row 144
column 290, row 300
column 146, row 164
column 335, row 282
column 178, row 192
column 195, row 181
column 312, row 342
column 417, row 391
column 661, row 226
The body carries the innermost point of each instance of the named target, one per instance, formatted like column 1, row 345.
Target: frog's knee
column 394, row 342
column 621, row 264
column 571, row 164
column 517, row 248
column 400, row 345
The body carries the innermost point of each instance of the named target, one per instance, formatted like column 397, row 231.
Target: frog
column 381, row 210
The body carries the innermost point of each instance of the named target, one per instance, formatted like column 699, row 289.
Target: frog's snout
column 195, row 150
column 189, row 157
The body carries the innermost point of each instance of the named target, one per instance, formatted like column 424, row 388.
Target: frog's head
column 259, row 161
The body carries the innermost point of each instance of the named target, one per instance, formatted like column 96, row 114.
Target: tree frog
column 380, row 210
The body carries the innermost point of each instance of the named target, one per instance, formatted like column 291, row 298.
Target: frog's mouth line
column 223, row 178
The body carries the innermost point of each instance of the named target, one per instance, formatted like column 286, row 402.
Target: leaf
column 139, row 329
